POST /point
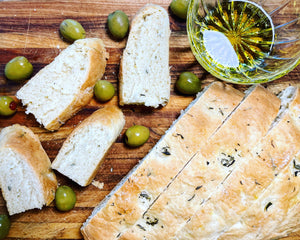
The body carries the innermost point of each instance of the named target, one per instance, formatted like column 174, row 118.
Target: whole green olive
column 71, row 30
column 188, row 83
column 118, row 24
column 180, row 8
column 104, row 90
column 18, row 69
column 136, row 135
column 65, row 198
column 8, row 106
column 4, row 225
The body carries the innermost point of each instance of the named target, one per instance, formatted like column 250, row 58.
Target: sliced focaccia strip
column 244, row 185
column 223, row 151
column 86, row 147
column 275, row 213
column 135, row 193
column 26, row 178
column 144, row 71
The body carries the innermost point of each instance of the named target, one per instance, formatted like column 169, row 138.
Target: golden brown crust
column 23, row 141
column 156, row 170
column 97, row 59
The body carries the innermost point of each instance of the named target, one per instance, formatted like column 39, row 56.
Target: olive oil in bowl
column 234, row 38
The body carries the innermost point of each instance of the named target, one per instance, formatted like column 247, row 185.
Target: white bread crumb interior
column 61, row 88
column 26, row 178
column 144, row 73
column 85, row 149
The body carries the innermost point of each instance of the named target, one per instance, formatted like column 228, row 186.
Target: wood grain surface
column 30, row 28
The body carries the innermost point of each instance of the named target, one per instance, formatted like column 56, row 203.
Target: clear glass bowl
column 264, row 38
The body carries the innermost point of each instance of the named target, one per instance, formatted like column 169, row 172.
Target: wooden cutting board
column 30, row 28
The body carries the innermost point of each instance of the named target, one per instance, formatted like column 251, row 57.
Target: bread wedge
column 63, row 87
column 26, row 178
column 144, row 71
column 86, row 147
column 205, row 171
column 137, row 191
column 249, row 178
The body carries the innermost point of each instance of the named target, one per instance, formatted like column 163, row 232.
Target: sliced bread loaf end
column 26, row 178
column 63, row 87
column 144, row 71
column 85, row 149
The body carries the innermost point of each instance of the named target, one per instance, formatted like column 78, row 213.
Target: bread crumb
column 98, row 184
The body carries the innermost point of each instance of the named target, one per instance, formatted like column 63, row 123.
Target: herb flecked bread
column 26, row 178
column 144, row 71
column 86, row 147
column 135, row 193
column 63, row 87
column 274, row 213
column 250, row 178
column 223, row 152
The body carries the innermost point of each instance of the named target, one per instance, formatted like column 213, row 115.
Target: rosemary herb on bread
column 26, row 178
column 223, row 152
column 63, row 87
column 138, row 190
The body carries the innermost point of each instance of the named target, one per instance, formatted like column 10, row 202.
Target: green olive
column 118, row 24
column 180, row 8
column 188, row 83
column 4, row 225
column 104, row 90
column 71, row 30
column 18, row 69
column 136, row 135
column 8, row 106
column 65, row 198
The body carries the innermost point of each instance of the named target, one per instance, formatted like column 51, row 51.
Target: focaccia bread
column 275, row 212
column 222, row 153
column 63, row 87
column 26, row 178
column 135, row 193
column 250, row 178
column 144, row 71
column 86, row 147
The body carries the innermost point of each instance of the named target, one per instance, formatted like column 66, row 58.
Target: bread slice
column 63, row 87
column 26, row 178
column 249, row 179
column 144, row 71
column 137, row 191
column 86, row 147
column 222, row 153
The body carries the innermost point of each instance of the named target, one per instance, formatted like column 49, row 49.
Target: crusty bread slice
column 135, row 193
column 250, row 177
column 63, row 87
column 86, row 147
column 26, row 178
column 222, row 153
column 275, row 212
column 144, row 71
